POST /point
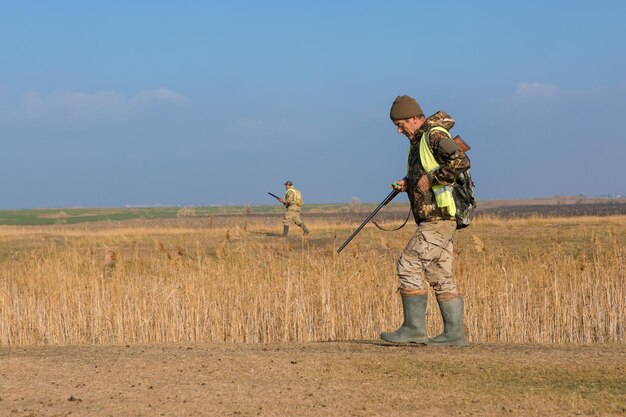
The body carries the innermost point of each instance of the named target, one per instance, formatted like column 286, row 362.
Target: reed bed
column 533, row 280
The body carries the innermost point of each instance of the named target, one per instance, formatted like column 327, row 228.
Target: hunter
column 434, row 163
column 293, row 202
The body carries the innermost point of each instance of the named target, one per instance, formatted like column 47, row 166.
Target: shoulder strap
column 439, row 128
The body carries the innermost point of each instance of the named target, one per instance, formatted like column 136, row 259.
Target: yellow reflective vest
column 297, row 196
column 443, row 193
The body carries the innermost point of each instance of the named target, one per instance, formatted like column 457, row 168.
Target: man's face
column 408, row 127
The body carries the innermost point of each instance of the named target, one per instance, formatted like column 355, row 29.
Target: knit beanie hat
column 405, row 107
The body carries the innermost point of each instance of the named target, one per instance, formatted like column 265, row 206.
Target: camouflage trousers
column 429, row 254
column 292, row 216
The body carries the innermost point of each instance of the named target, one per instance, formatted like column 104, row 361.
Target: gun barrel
column 274, row 195
column 370, row 217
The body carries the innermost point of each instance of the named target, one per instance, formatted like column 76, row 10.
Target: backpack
column 299, row 200
column 463, row 194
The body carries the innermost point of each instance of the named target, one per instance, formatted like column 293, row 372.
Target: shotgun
column 370, row 217
column 274, row 195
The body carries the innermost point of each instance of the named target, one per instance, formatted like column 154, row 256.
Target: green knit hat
column 405, row 107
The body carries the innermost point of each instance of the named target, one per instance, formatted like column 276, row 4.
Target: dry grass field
column 532, row 280
column 220, row 315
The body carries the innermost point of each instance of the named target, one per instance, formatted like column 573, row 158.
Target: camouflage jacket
column 290, row 200
column 452, row 162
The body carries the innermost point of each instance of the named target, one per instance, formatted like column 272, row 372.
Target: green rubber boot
column 453, row 333
column 285, row 231
column 305, row 229
column 413, row 329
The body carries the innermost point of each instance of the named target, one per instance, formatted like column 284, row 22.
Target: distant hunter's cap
column 405, row 107
column 288, row 183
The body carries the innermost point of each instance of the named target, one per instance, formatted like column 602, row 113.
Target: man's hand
column 423, row 183
column 399, row 185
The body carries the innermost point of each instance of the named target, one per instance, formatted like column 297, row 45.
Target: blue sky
column 196, row 103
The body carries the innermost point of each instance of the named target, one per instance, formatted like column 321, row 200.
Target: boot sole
column 407, row 341
column 456, row 344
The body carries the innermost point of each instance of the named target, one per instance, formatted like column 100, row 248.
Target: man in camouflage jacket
column 293, row 202
column 429, row 252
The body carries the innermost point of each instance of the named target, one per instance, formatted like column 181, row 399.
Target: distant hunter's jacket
column 452, row 162
column 293, row 199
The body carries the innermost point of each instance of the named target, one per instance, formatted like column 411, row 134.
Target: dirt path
column 314, row 379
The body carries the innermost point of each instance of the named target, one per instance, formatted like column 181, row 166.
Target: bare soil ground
column 359, row 378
